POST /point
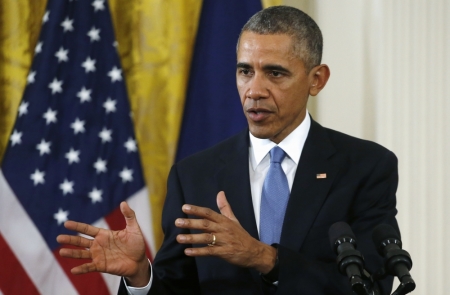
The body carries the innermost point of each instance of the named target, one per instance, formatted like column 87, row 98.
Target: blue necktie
column 274, row 198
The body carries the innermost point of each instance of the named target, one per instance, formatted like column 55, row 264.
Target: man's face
column 273, row 85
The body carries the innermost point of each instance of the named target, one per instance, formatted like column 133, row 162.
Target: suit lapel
column 233, row 179
column 309, row 190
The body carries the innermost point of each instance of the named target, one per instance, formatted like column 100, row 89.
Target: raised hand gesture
column 119, row 253
column 226, row 238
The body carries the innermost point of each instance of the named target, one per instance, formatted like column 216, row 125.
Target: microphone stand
column 369, row 285
column 406, row 286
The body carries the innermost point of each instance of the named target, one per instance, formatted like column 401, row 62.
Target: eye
column 245, row 72
column 276, row 74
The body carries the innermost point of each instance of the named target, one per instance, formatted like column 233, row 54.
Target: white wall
column 390, row 64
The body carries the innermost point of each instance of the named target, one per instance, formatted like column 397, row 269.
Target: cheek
column 289, row 103
column 242, row 98
column 241, row 86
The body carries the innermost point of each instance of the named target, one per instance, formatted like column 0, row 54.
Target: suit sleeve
column 373, row 203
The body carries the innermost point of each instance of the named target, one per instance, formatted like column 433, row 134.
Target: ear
column 319, row 77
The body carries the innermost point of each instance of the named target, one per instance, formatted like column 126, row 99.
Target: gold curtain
column 20, row 24
column 156, row 39
column 267, row 3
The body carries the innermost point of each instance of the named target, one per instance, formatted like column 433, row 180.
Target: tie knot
column 277, row 155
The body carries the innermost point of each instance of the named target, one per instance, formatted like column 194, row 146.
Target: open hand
column 115, row 252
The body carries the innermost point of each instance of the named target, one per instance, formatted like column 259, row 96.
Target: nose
column 257, row 88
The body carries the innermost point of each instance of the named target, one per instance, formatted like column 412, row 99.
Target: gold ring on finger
column 213, row 240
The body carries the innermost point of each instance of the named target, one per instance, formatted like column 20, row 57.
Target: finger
column 74, row 241
column 224, row 206
column 82, row 228
column 200, row 224
column 202, row 212
column 202, row 251
column 84, row 268
column 130, row 216
column 204, row 238
column 75, row 253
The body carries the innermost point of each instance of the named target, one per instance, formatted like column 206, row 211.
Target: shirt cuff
column 140, row 290
column 272, row 276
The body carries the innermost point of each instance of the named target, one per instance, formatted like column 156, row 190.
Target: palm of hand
column 117, row 252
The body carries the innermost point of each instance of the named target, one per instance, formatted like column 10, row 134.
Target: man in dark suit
column 215, row 216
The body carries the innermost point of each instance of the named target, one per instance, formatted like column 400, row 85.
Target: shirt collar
column 292, row 144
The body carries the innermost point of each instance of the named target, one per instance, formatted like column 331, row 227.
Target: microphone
column 397, row 261
column 350, row 261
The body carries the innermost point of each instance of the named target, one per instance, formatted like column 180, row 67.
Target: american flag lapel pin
column 321, row 175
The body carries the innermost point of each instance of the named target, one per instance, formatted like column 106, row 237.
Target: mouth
column 258, row 114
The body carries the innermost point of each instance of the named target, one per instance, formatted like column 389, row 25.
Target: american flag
column 72, row 153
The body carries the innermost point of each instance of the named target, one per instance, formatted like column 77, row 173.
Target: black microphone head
column 383, row 233
column 340, row 230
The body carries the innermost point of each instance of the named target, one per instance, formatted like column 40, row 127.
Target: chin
column 262, row 134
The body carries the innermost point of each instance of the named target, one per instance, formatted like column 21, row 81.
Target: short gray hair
column 305, row 33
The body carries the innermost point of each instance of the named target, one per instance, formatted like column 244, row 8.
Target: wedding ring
column 213, row 240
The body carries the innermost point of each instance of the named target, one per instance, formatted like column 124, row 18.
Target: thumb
column 130, row 216
column 224, row 206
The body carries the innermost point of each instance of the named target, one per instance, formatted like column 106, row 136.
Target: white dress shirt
column 259, row 163
column 259, row 160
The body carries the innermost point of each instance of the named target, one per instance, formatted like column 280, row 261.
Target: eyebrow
column 277, row 68
column 269, row 67
column 243, row 65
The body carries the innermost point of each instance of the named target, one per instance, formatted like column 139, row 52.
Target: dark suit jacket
column 359, row 188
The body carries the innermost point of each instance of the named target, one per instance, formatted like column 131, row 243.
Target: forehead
column 253, row 45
